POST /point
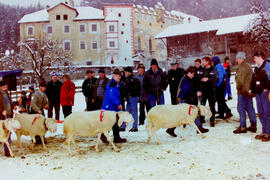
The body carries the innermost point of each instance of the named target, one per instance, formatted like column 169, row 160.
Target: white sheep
column 34, row 125
column 169, row 116
column 90, row 123
column 6, row 126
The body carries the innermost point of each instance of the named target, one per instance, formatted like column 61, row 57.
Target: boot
column 259, row 136
column 170, row 131
column 228, row 115
column 119, row 140
column 122, row 129
column 133, row 130
column 212, row 122
column 240, row 130
column 104, row 139
column 203, row 130
column 266, row 138
column 252, row 127
column 7, row 154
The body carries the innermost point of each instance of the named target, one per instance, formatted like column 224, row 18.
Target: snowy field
column 221, row 155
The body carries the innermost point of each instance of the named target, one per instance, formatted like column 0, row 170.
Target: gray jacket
column 39, row 100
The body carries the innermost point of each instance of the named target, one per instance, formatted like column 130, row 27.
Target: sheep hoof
column 148, row 140
column 203, row 137
column 158, row 143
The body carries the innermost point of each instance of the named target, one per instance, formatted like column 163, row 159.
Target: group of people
column 207, row 81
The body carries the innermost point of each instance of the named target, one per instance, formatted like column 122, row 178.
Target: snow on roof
column 222, row 26
column 139, row 6
column 84, row 13
column 89, row 13
column 185, row 16
column 145, row 7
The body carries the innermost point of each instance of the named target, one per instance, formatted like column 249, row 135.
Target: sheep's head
column 124, row 116
column 12, row 124
column 51, row 124
column 205, row 111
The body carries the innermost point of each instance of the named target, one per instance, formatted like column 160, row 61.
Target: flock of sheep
column 90, row 124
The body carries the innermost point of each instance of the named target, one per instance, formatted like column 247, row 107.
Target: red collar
column 189, row 110
column 36, row 117
column 101, row 115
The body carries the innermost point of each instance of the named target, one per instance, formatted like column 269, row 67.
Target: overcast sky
column 29, row 2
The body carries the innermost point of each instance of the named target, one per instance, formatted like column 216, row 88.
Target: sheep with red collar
column 34, row 125
column 93, row 123
column 6, row 126
column 169, row 116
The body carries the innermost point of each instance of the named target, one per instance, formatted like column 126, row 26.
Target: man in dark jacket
column 133, row 89
column 87, row 89
column 53, row 94
column 155, row 82
column 175, row 74
column 187, row 94
column 100, row 88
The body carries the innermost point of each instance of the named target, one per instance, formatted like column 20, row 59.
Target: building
column 117, row 35
column 221, row 37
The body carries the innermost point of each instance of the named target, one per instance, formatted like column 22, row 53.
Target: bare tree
column 44, row 56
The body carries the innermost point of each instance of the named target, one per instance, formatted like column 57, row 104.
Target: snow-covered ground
column 221, row 155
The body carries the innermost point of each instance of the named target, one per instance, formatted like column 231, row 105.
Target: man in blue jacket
column 112, row 102
column 221, row 86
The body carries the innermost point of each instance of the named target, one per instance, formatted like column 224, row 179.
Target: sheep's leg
column 19, row 139
column 10, row 152
column 154, row 134
column 194, row 125
column 106, row 134
column 43, row 144
column 76, row 145
column 98, row 140
column 34, row 142
column 181, row 132
column 148, row 128
column 69, row 138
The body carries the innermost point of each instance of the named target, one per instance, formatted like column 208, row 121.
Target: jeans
column 245, row 104
column 132, row 108
column 228, row 89
column 154, row 101
column 263, row 107
column 222, row 106
column 56, row 107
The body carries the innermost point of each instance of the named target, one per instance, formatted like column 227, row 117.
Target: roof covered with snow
column 222, row 26
column 84, row 13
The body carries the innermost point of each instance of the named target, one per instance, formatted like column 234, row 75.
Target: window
column 82, row 27
column 150, row 45
column 58, row 17
column 66, row 29
column 67, row 45
column 138, row 22
column 111, row 28
column 139, row 44
column 49, row 30
column 112, row 44
column 94, row 28
column 123, row 24
column 82, row 45
column 122, row 32
column 30, row 31
column 94, row 45
column 65, row 17
column 119, row 14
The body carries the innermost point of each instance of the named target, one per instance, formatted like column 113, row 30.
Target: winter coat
column 243, row 78
column 144, row 97
column 39, row 100
column 53, row 91
column 112, row 97
column 222, row 76
column 67, row 93
column 132, row 86
column 155, row 83
column 227, row 68
column 186, row 91
column 210, row 85
column 174, row 77
column 261, row 78
column 2, row 104
column 88, row 87
column 105, row 82
column 197, row 78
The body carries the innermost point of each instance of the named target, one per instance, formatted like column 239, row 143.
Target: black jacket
column 88, row 87
column 174, row 77
column 197, row 78
column 132, row 86
column 210, row 85
column 53, row 91
column 155, row 83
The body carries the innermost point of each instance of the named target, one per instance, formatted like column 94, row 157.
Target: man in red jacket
column 67, row 95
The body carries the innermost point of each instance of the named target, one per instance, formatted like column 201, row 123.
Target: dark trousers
column 99, row 101
column 56, row 107
column 142, row 107
column 67, row 110
column 116, row 131
column 222, row 106
column 210, row 97
column 89, row 105
column 173, row 102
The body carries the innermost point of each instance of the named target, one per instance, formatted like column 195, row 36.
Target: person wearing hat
column 6, row 109
column 112, row 102
column 39, row 103
column 227, row 68
column 53, row 93
column 175, row 74
column 22, row 103
column 29, row 97
column 243, row 78
column 133, row 89
column 67, row 94
column 143, row 99
column 87, row 89
column 155, row 82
